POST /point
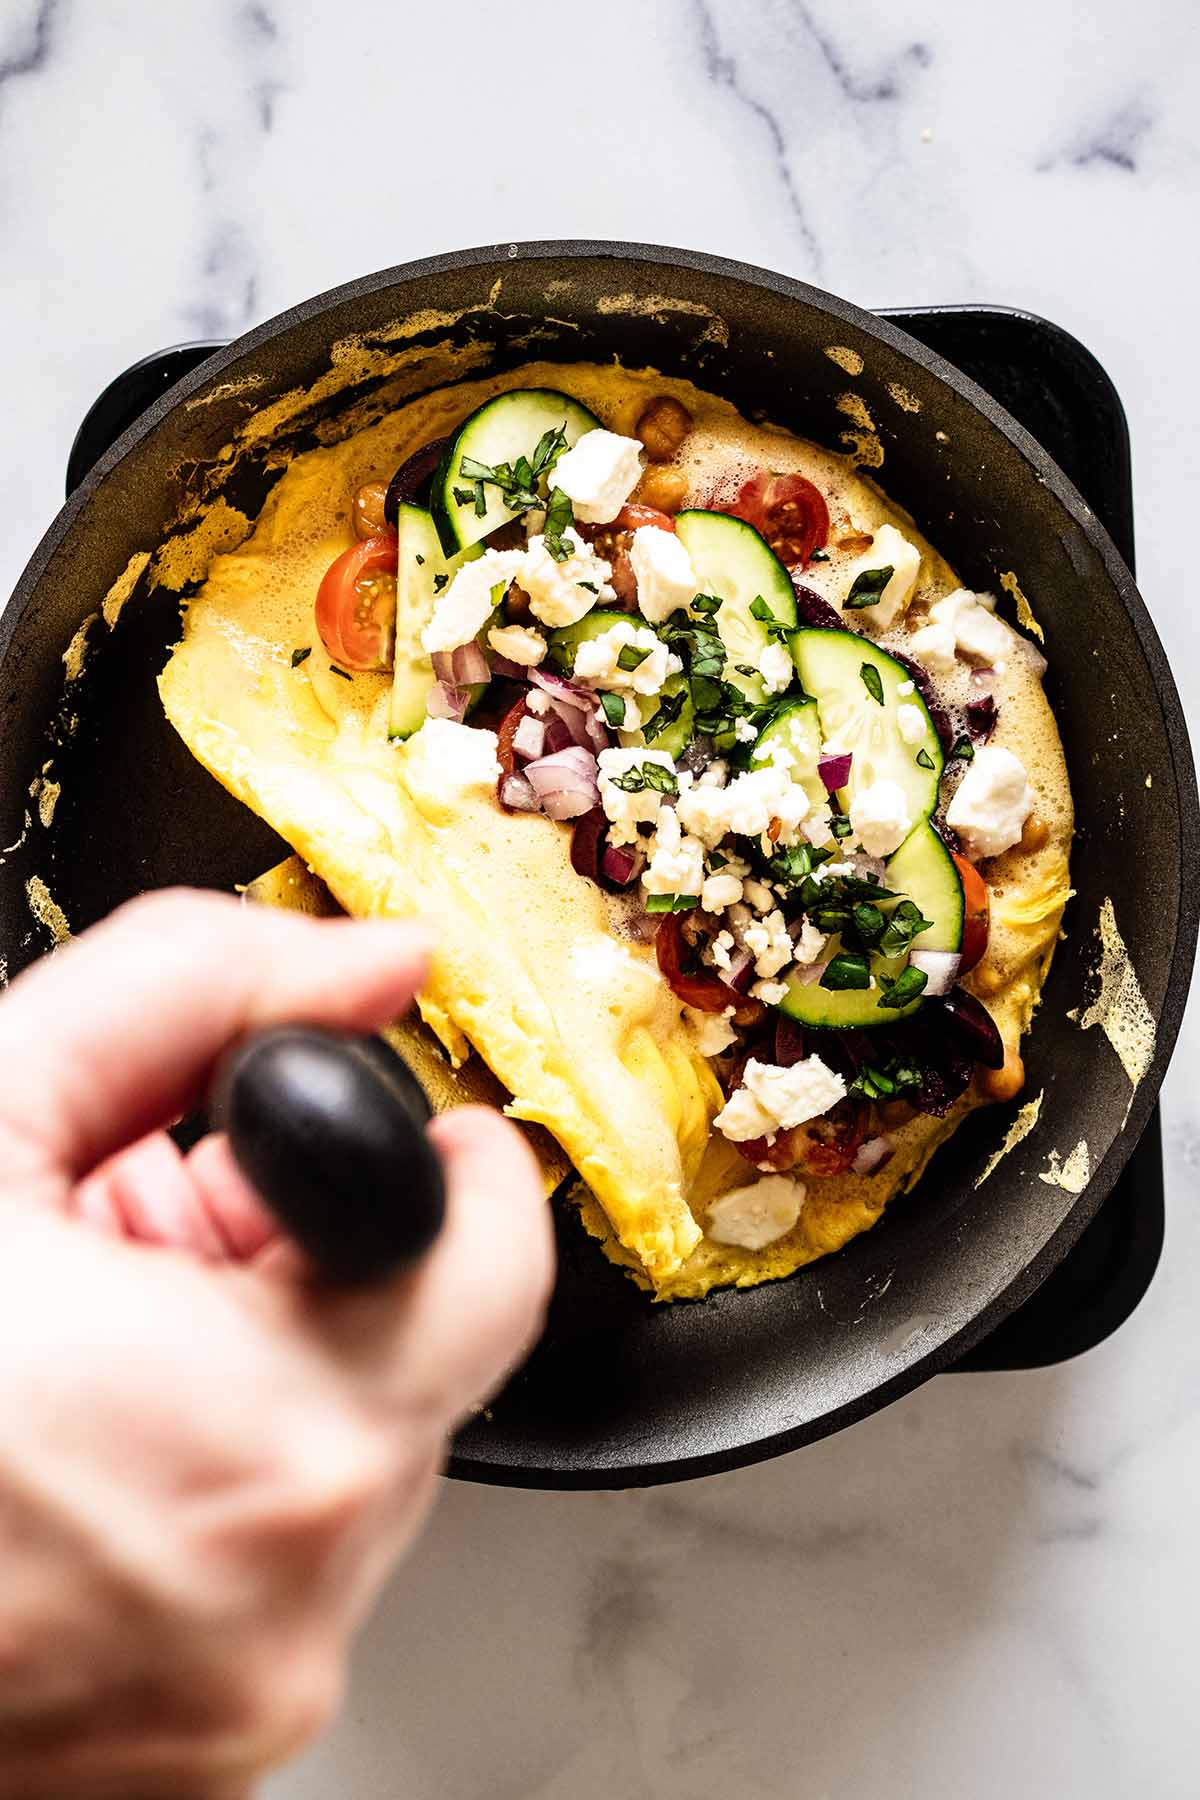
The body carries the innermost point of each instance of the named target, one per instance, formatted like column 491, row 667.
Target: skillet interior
column 621, row 1392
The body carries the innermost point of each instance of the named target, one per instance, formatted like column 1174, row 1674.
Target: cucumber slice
column 732, row 561
column 797, row 727
column 831, row 666
column 675, row 737
column 500, row 431
column 420, row 568
column 923, row 871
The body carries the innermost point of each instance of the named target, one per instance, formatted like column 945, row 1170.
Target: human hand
column 209, row 1462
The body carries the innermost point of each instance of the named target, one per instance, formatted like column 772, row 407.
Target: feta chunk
column 463, row 609
column 711, row 1032
column 597, row 660
column 769, row 942
column 776, row 668
column 809, row 945
column 758, row 894
column 963, row 624
column 557, row 591
column 719, row 891
column 598, row 474
column 676, row 863
column 773, row 1099
column 992, row 803
column 519, row 643
column 910, row 722
column 720, row 950
column 463, row 756
column 880, row 817
column 663, row 570
column 744, row 731
column 769, row 992
column 625, row 811
column 755, row 1216
column 889, row 550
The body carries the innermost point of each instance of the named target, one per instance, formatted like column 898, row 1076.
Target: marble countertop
column 990, row 1587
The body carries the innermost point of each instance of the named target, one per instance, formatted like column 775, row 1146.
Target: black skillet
column 621, row 1392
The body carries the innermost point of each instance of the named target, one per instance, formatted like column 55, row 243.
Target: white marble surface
column 990, row 1588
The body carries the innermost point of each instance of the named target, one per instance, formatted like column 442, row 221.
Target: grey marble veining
column 990, row 1588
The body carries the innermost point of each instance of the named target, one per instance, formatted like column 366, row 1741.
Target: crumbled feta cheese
column 663, row 569
column 889, row 550
column 747, row 806
column 463, row 755
column 625, row 811
column 462, row 609
column 992, row 803
column 632, row 720
column 557, row 594
column 905, row 688
column 776, row 668
column 962, row 623
column 519, row 643
column 716, row 774
column 720, row 948
column 758, row 894
column 676, row 863
column 597, row 660
column 711, row 1032
column 719, row 891
column 769, row 942
column 910, row 722
column 704, row 811
column 537, row 701
column 598, row 474
column 880, row 817
column 773, row 1099
column 809, row 945
column 769, row 992
column 744, row 731
column 755, row 1216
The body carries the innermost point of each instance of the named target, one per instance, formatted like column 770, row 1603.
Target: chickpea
column 1035, row 834
column 663, row 488
column 1005, row 1083
column 368, row 512
column 663, row 427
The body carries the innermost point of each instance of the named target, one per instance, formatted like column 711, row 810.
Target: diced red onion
column 511, row 671
column 835, row 771
column 517, row 794
column 867, row 868
column 446, row 702
column 529, row 739
column 623, row 863
column 461, row 667
column 941, row 966
column 565, row 782
column 872, row 1155
column 740, row 973
column 807, row 973
column 557, row 732
column 561, row 689
column 983, row 678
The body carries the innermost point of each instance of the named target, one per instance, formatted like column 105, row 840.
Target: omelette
column 743, row 825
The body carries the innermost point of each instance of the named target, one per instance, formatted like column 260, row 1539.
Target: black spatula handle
column 330, row 1129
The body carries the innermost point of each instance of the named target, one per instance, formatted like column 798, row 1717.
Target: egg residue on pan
column 537, row 971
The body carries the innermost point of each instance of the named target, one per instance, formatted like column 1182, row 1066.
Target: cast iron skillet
column 622, row 1392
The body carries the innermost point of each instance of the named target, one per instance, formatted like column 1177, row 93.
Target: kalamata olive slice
column 974, row 1025
column 411, row 481
column 928, row 693
column 812, row 610
column 330, row 1130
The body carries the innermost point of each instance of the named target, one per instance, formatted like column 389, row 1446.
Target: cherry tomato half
column 632, row 515
column 356, row 605
column 698, row 987
column 788, row 511
column 976, row 913
column 506, row 732
column 825, row 1146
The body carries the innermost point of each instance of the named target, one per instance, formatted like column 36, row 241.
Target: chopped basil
column 904, row 925
column 614, row 709
column 630, row 657
column 669, row 708
column 671, row 903
column 873, row 682
column 518, row 482
column 589, row 585
column 716, row 861
column 762, row 612
column 334, row 670
column 299, row 656
column 963, row 748
column 746, row 669
column 795, row 865
column 907, row 986
column 868, row 587
column 924, row 760
column 420, row 560
column 558, row 516
column 464, row 496
column 646, row 775
column 819, row 556
column 868, row 921
column 840, row 825
column 875, row 1082
column 439, row 582
column 706, row 603
column 847, row 970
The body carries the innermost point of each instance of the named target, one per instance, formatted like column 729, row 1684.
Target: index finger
column 117, row 1032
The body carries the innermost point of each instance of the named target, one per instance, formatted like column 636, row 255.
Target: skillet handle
column 330, row 1130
